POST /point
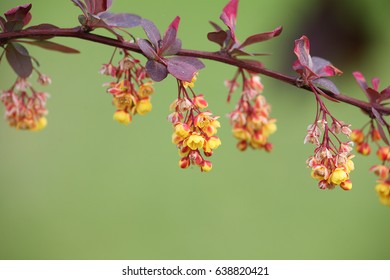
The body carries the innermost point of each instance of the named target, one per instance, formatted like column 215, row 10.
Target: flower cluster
column 131, row 91
column 25, row 108
column 383, row 153
column 194, row 128
column 330, row 165
column 250, row 120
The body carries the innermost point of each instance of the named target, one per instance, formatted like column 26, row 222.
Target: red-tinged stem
column 77, row 32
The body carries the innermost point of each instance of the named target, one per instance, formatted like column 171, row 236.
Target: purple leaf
column 184, row 68
column 323, row 68
column 302, row 50
column 19, row 59
column 156, row 71
column 98, row 6
column 81, row 5
column 229, row 16
column 120, row 20
column 14, row 26
column 2, row 24
column 218, row 37
column 170, row 35
column 382, row 133
column 385, row 94
column 151, row 31
column 173, row 48
column 52, row 46
column 378, row 116
column 216, row 26
column 373, row 95
column 326, row 84
column 19, row 13
column 257, row 38
column 147, row 49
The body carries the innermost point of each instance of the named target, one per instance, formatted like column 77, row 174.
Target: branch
column 77, row 32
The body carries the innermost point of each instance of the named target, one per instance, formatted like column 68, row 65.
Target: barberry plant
column 195, row 127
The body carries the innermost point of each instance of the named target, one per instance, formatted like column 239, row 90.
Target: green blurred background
column 88, row 188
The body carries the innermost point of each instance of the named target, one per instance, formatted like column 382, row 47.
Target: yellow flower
column 41, row 124
column 123, row 101
column 195, row 141
column 350, row 166
column 241, row 133
column 383, row 190
column 269, row 128
column 123, row 117
column 192, row 83
column 320, row 172
column 338, row 176
column 182, row 130
column 144, row 106
column 214, row 142
column 145, row 90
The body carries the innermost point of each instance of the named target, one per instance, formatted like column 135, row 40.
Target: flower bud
column 357, row 136
column 363, row 148
column 383, row 153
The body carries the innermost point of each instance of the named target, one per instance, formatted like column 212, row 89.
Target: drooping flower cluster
column 330, row 165
column 383, row 153
column 132, row 89
column 250, row 120
column 194, row 128
column 25, row 108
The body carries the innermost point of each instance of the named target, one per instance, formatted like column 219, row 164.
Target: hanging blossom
column 25, row 108
column 250, row 120
column 332, row 162
column 194, row 128
column 132, row 89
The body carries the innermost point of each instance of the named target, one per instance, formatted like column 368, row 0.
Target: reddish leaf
column 173, row 48
column 375, row 83
column 218, row 37
column 19, row 13
column 151, row 31
column 382, row 133
column 302, row 50
column 98, row 6
column 360, row 80
column 184, row 68
column 156, row 71
column 216, row 26
column 229, row 16
column 120, row 20
column 326, row 84
column 323, row 68
column 261, row 37
column 2, row 24
column 385, row 94
column 373, row 95
column 147, row 49
column 170, row 35
column 19, row 59
column 81, row 5
column 14, row 26
column 52, row 46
